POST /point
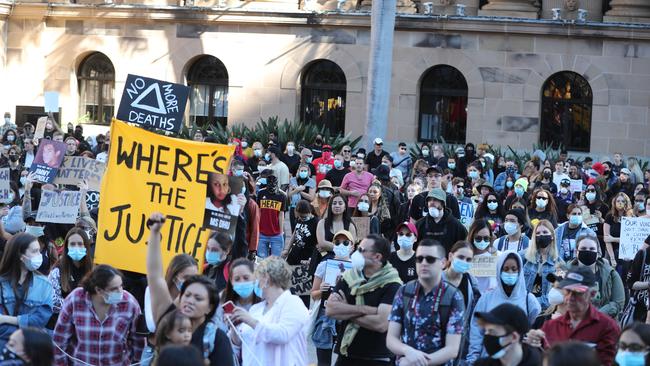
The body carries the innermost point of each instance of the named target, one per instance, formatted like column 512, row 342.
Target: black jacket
column 447, row 231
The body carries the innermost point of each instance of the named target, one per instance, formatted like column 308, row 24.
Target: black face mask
column 587, row 257
column 547, row 175
column 543, row 241
column 13, row 158
column 493, row 345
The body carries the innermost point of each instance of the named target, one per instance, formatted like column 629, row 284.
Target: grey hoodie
column 488, row 301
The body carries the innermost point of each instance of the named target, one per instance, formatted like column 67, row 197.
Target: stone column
column 510, row 8
column 629, row 11
column 570, row 9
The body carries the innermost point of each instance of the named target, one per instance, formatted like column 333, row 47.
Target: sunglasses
column 345, row 242
column 591, row 190
column 493, row 201
column 363, row 250
column 346, row 151
column 460, row 186
column 429, row 258
column 543, row 198
column 482, row 238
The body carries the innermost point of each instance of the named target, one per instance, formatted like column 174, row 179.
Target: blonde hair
column 277, row 270
column 531, row 251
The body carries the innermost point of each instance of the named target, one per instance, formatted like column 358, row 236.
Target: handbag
column 635, row 302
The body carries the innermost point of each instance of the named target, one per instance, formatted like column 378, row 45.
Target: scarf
column 359, row 286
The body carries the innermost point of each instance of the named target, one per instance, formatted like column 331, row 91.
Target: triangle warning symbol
column 155, row 109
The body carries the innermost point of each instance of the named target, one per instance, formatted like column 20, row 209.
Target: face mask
column 290, row 149
column 262, row 181
column 113, row 297
column 625, row 358
column 473, row 174
column 353, row 164
column 510, row 227
column 37, row 231
column 11, row 138
column 434, row 212
column 258, row 290
column 34, row 263
column 244, row 144
column 555, row 296
column 212, row 257
column 7, row 120
column 461, row 154
column 425, row 152
column 575, row 220
column 587, row 257
column 76, row 253
column 451, row 166
column 243, row 289
column 358, row 261
column 384, row 163
column 640, row 206
column 541, row 203
column 363, row 206
column 519, row 191
column 341, row 250
column 493, row 346
column 405, row 242
column 543, row 241
column 564, row 190
column 303, row 174
column 338, row 164
column 590, row 196
column 547, row 175
column 492, row 205
column 267, row 157
column 509, row 279
column 460, row 266
column 510, row 183
column 239, row 172
column 324, row 194
column 360, row 156
column 257, row 152
column 482, row 245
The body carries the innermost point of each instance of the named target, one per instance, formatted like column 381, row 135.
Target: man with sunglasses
column 361, row 302
column 582, row 320
column 426, row 322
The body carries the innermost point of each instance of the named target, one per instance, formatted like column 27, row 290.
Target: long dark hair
column 99, row 277
column 482, row 210
column 10, row 265
column 551, row 207
column 65, row 263
column 38, row 347
column 345, row 216
column 210, row 287
column 229, row 293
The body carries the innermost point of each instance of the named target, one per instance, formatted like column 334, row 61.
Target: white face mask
column 358, row 261
column 363, row 206
column 434, row 212
column 290, row 149
column 555, row 296
column 324, row 194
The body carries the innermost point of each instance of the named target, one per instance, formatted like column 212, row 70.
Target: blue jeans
column 273, row 243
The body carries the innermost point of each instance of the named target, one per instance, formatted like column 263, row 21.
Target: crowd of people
column 532, row 276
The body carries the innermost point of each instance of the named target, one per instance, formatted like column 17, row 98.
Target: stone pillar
column 448, row 7
column 510, row 8
column 629, row 11
column 570, row 9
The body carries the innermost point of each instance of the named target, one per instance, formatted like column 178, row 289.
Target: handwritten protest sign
column 59, row 207
column 335, row 268
column 576, row 185
column 92, row 200
column 153, row 103
column 300, row 280
column 484, row 266
column 5, row 189
column 634, row 230
column 39, row 131
column 362, row 225
column 466, row 213
column 149, row 172
column 77, row 168
column 47, row 161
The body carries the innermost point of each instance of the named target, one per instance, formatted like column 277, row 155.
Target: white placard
column 634, row 230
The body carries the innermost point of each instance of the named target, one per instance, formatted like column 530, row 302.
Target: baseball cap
column 382, row 172
column 345, row 233
column 507, row 315
column 379, row 141
column 327, row 148
column 437, row 194
column 434, row 168
column 409, row 225
column 578, row 279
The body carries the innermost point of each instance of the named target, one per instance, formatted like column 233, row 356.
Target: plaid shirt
column 81, row 334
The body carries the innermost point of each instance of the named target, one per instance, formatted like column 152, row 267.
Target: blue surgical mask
column 519, row 191
column 509, row 278
column 363, row 206
column 460, row 266
column 239, row 172
column 492, row 205
column 308, row 159
column 575, row 220
column 262, row 181
column 258, row 290
column 590, row 196
column 37, row 231
column 113, row 297
column 338, row 164
column 341, row 250
column 510, row 227
column 482, row 245
column 451, row 166
column 303, row 174
column 510, row 183
column 626, row 358
column 243, row 289
column 76, row 253
column 212, row 257
column 473, row 174
column 405, row 242
column 34, row 263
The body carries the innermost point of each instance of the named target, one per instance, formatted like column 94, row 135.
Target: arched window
column 323, row 91
column 566, row 112
column 443, row 105
column 208, row 79
column 96, row 78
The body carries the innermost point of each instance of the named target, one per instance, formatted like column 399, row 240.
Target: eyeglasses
column 482, row 238
column 363, row 250
column 543, row 198
column 631, row 347
column 429, row 258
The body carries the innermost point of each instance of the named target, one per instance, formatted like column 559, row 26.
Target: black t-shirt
column 367, row 344
column 614, row 227
column 335, row 176
column 304, row 241
column 544, row 215
column 406, row 269
column 292, row 162
column 531, row 357
column 373, row 160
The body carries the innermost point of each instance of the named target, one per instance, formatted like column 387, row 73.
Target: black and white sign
column 153, row 103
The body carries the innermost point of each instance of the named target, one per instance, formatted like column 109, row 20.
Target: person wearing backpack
column 426, row 322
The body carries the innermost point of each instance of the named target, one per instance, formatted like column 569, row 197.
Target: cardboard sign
column 51, row 102
column 92, row 200
column 466, row 213
column 484, row 266
column 221, row 207
column 5, row 189
column 77, row 168
column 634, row 230
column 39, row 131
column 148, row 172
column 59, row 207
column 362, row 225
column 153, row 103
column 301, row 281
column 576, row 185
column 335, row 268
column 47, row 161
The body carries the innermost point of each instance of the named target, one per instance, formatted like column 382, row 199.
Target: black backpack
column 445, row 304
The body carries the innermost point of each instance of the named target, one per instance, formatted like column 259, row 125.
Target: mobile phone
column 228, row 307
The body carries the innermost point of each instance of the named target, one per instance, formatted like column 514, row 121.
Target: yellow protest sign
column 147, row 172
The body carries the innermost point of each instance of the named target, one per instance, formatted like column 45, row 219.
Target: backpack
column 445, row 304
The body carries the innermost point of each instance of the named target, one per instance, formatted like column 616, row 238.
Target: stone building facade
column 505, row 55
